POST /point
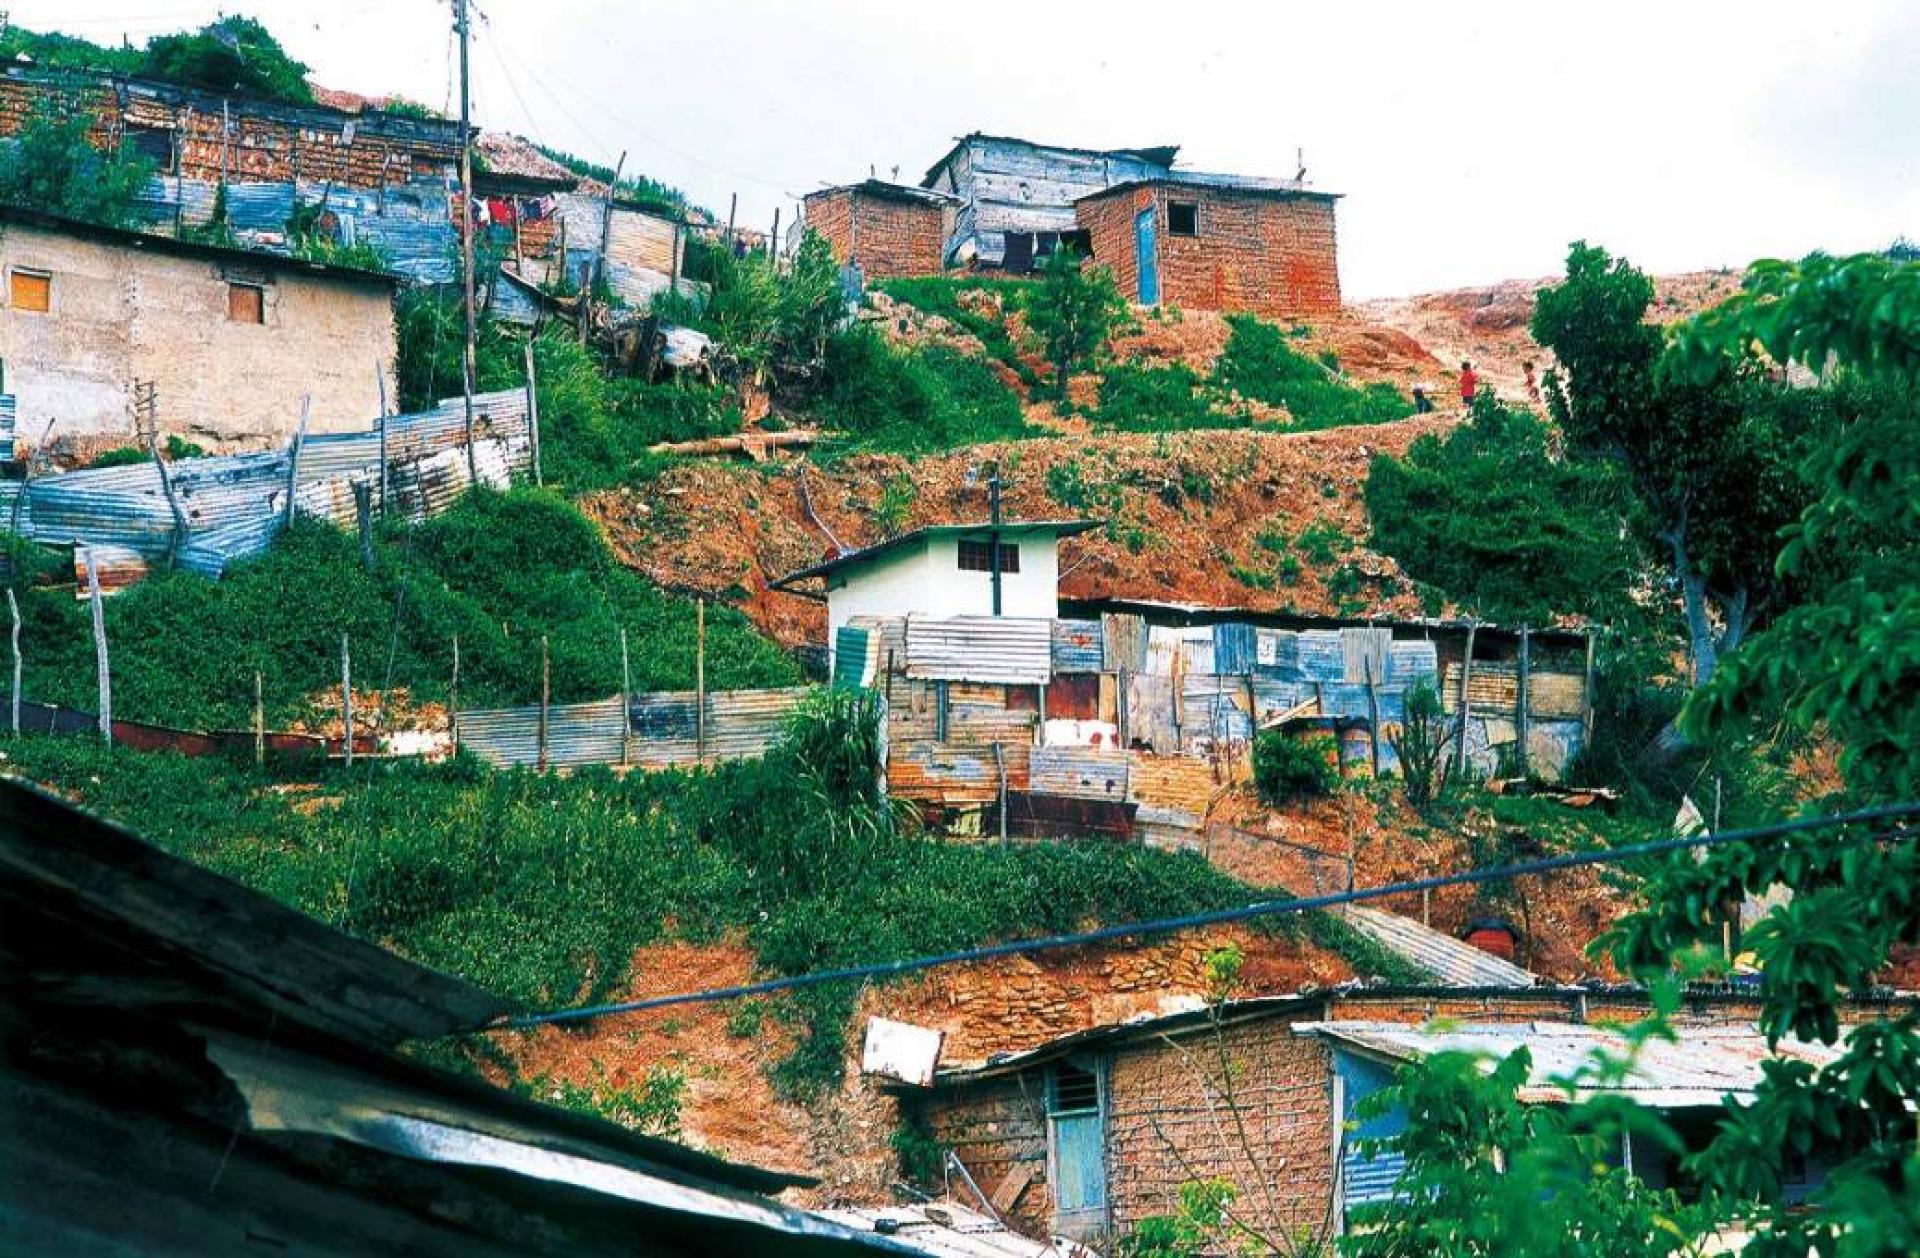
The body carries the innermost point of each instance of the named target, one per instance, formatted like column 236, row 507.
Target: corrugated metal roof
column 1703, row 1066
column 577, row 734
column 1008, row 649
column 949, row 1231
column 1440, row 955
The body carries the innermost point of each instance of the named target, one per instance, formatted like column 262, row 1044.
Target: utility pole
column 993, row 537
column 466, row 225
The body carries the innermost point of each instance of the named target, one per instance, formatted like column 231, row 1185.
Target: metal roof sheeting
column 945, row 1230
column 1701, row 1068
column 1007, row 649
column 577, row 734
column 1444, row 957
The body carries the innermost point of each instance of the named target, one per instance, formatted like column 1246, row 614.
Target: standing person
column 1469, row 385
column 1533, row 385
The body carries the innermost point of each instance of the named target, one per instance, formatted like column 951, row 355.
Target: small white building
column 946, row 570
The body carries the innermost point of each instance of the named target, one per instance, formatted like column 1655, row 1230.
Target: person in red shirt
column 1469, row 385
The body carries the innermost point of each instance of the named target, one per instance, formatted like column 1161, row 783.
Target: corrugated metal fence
column 656, row 731
column 234, row 505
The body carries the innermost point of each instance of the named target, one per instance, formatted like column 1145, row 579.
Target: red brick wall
column 1272, row 256
column 892, row 238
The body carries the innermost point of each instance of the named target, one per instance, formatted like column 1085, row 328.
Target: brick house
column 889, row 228
column 1093, row 1132
column 1217, row 243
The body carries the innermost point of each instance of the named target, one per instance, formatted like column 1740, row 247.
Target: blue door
column 1079, row 1165
column 1146, row 258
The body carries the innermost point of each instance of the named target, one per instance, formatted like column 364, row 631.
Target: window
column 978, row 557
column 1183, row 218
column 153, row 143
column 246, row 303
column 30, row 290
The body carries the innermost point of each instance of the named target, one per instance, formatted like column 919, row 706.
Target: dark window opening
column 1074, row 1090
column 1018, row 256
column 1183, row 218
column 153, row 143
column 978, row 557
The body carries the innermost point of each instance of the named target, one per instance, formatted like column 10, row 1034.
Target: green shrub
column 1135, row 398
column 941, row 295
column 121, row 456
column 1259, row 364
column 1288, row 768
column 932, row 398
column 52, row 165
column 1322, row 542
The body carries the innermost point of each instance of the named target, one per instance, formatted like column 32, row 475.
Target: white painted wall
column 925, row 580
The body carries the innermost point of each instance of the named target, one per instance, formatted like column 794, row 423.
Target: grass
column 916, row 400
column 940, row 295
column 499, row 570
column 542, row 888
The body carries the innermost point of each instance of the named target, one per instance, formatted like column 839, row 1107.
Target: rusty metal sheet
column 1079, row 773
column 1017, row 650
column 1233, row 648
column 1494, row 686
column 1171, row 790
column 118, row 568
column 1078, row 646
column 740, row 724
column 942, row 773
column 1123, row 641
column 1032, row 814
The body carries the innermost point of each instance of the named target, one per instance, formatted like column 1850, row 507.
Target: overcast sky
column 1472, row 140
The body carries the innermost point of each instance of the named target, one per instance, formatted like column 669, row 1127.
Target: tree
column 1072, row 310
column 53, row 166
column 1493, row 517
column 233, row 54
column 1711, row 456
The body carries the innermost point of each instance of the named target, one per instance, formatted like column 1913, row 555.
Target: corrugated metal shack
column 654, row 731
column 234, row 505
column 1129, row 720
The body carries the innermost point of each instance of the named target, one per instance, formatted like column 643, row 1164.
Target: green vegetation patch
column 1260, row 364
column 499, row 570
column 941, row 295
column 913, row 400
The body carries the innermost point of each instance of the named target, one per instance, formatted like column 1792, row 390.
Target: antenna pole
column 461, row 24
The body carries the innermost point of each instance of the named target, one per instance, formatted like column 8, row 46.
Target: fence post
column 546, row 695
column 13, row 606
column 363, row 512
column 533, row 416
column 1522, row 700
column 346, row 696
column 1000, row 770
column 1586, row 692
column 626, row 702
column 1466, row 705
column 1373, row 713
column 259, row 724
column 453, row 698
column 380, row 378
column 293, row 457
column 101, row 665
column 700, row 680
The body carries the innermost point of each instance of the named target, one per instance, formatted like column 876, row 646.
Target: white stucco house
column 944, row 570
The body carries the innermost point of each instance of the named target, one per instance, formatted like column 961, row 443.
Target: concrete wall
column 890, row 236
column 1261, row 253
column 121, row 315
column 925, row 579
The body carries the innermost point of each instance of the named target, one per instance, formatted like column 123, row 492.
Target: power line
column 1265, row 908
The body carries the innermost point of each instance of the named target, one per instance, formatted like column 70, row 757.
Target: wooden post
column 626, row 702
column 346, row 697
column 1121, row 695
column 293, row 455
column 773, row 241
column 363, row 514
column 700, row 680
column 1000, row 769
column 1373, row 713
column 673, row 279
column 546, row 698
column 533, row 415
column 733, row 208
column 380, row 378
column 1586, row 693
column 1466, row 705
column 179, row 538
column 468, row 371
column 259, row 723
column 453, row 698
column 102, row 667
column 1522, row 700
column 13, row 605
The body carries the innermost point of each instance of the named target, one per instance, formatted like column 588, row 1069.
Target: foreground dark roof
column 1007, row 529
column 129, row 239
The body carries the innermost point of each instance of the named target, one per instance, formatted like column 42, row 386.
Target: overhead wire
column 1260, row 909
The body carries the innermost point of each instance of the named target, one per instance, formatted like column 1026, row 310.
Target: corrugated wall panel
column 1079, row 773
column 1077, row 646
column 577, row 734
column 981, row 648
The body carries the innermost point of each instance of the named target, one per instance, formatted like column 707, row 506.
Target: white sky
column 1472, row 140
